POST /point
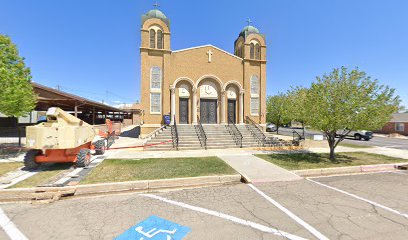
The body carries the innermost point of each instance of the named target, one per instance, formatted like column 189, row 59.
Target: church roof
column 155, row 13
column 208, row 45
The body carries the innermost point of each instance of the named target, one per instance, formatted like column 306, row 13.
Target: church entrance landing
column 208, row 111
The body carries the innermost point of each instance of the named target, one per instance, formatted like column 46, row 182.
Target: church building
column 200, row 84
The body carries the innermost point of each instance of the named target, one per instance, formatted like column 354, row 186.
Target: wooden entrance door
column 183, row 110
column 208, row 111
column 231, row 111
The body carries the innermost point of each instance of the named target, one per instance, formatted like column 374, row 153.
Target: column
column 241, row 107
column 76, row 110
column 172, row 104
column 93, row 116
column 194, row 105
column 223, row 107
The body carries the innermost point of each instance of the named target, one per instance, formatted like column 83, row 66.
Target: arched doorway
column 209, row 104
column 184, row 97
column 235, row 102
column 232, row 105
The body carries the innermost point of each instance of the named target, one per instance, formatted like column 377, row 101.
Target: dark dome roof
column 155, row 13
column 248, row 30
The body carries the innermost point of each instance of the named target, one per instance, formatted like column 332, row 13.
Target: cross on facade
column 209, row 53
column 156, row 4
column 249, row 21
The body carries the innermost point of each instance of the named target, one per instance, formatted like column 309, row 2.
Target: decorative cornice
column 155, row 50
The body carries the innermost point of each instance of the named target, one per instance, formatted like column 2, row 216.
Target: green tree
column 347, row 100
column 296, row 110
column 17, row 97
column 277, row 110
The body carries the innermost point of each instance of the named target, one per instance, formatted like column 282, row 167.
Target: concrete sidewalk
column 258, row 170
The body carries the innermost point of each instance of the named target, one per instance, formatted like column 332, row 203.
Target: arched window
column 152, row 38
column 257, row 52
column 155, row 90
column 251, row 51
column 159, row 39
column 254, row 95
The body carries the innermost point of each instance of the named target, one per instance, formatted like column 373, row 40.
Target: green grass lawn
column 47, row 175
column 298, row 161
column 8, row 167
column 351, row 145
column 117, row 170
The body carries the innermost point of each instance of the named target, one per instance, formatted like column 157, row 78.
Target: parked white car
column 358, row 135
column 270, row 127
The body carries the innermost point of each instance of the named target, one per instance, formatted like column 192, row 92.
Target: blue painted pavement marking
column 155, row 228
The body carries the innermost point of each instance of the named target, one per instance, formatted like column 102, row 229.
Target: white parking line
column 361, row 198
column 227, row 217
column 311, row 229
column 20, row 178
column 9, row 227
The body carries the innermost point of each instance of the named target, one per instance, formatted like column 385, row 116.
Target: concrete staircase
column 218, row 137
column 248, row 140
column 188, row 139
column 161, row 142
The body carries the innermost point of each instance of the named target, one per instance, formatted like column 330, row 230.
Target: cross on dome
column 156, row 4
column 249, row 21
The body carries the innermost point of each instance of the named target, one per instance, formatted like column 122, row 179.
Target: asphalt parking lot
column 364, row 206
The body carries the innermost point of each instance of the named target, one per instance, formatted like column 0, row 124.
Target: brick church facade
column 203, row 83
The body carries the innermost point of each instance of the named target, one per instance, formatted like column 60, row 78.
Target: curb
column 348, row 170
column 51, row 194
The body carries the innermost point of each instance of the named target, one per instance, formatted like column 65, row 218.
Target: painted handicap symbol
column 155, row 228
column 149, row 234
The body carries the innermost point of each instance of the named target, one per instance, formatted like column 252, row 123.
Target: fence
column 12, row 136
column 11, row 141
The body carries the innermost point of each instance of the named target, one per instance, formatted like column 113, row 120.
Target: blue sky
column 91, row 47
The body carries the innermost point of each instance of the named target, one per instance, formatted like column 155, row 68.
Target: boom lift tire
column 29, row 159
column 100, row 147
column 83, row 157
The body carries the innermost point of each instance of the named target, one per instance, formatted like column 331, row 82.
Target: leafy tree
column 17, row 97
column 347, row 100
column 296, row 110
column 277, row 109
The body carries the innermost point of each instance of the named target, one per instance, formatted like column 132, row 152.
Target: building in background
column 398, row 124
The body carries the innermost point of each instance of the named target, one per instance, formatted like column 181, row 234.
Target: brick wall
column 391, row 128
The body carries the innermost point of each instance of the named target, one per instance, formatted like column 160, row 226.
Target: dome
column 155, row 13
column 248, row 30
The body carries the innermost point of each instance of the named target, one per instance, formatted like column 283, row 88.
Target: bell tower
column 250, row 46
column 155, row 54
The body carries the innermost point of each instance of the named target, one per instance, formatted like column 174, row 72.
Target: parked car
column 42, row 119
column 270, row 127
column 359, row 134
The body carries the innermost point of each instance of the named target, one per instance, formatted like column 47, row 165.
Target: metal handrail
column 176, row 137
column 255, row 130
column 234, row 132
column 201, row 133
column 296, row 139
column 154, row 132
